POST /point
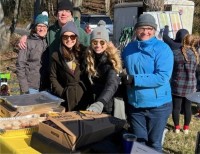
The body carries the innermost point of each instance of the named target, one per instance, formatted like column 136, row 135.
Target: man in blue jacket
column 149, row 63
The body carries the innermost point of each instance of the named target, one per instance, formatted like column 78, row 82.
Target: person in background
column 88, row 29
column 177, row 42
column 198, row 79
column 183, row 81
column 66, row 69
column 103, row 66
column 149, row 63
column 84, row 37
column 32, row 61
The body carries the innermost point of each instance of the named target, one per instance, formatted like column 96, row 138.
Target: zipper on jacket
column 155, row 92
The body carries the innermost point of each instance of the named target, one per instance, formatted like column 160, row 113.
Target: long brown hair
column 190, row 42
column 70, row 54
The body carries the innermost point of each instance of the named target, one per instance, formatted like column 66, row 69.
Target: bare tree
column 15, row 16
column 4, row 33
column 37, row 7
column 107, row 6
column 77, row 3
column 153, row 5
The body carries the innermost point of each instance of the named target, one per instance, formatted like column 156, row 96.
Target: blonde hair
column 190, row 42
column 113, row 56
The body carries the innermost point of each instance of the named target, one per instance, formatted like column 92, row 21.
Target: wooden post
column 107, row 6
column 4, row 34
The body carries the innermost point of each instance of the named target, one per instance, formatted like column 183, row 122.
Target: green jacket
column 53, row 38
column 84, row 38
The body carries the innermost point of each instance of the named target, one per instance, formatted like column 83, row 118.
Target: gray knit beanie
column 100, row 32
column 146, row 20
column 70, row 26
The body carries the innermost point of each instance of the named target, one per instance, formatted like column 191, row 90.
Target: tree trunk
column 153, row 5
column 4, row 33
column 77, row 3
column 37, row 5
column 107, row 3
column 15, row 16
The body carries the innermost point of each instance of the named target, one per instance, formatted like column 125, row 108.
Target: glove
column 96, row 107
column 127, row 79
column 166, row 30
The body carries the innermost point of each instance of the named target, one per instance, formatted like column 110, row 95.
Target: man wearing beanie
column 103, row 64
column 149, row 63
column 66, row 70
column 64, row 14
column 32, row 62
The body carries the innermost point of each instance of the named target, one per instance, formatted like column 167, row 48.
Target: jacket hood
column 180, row 35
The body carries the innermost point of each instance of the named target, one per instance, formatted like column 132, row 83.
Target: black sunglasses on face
column 66, row 37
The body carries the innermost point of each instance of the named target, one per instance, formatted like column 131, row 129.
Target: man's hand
column 127, row 79
column 22, row 42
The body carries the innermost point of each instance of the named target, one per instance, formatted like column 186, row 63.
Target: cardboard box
column 74, row 129
column 46, row 145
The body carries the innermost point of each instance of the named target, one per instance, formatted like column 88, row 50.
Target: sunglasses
column 66, row 37
column 94, row 42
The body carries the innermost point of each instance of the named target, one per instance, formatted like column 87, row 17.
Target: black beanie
column 65, row 5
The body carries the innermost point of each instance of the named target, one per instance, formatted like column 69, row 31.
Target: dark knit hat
column 181, row 33
column 65, row 5
column 70, row 26
column 100, row 32
column 146, row 20
column 41, row 19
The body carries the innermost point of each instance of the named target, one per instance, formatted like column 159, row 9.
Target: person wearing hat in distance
column 31, row 61
column 66, row 69
column 103, row 66
column 64, row 14
column 149, row 64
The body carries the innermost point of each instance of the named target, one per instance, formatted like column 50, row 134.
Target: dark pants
column 178, row 104
column 148, row 124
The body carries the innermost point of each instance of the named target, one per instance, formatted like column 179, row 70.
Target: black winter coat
column 106, row 84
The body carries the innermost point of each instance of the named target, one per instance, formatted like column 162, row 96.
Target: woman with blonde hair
column 103, row 66
column 184, row 80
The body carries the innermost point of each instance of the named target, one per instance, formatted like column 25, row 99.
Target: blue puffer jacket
column 151, row 63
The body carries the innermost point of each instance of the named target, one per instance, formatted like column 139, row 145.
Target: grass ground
column 182, row 143
column 173, row 143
